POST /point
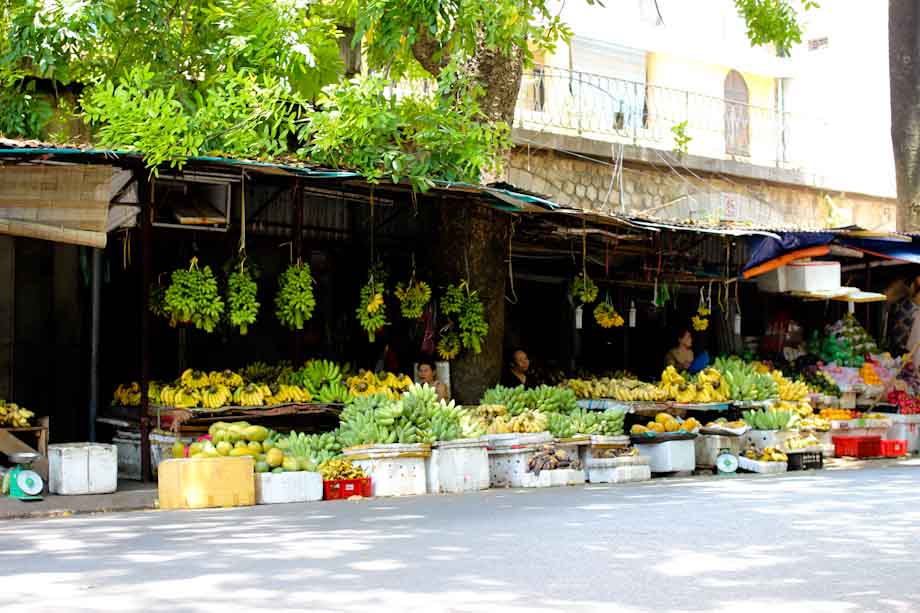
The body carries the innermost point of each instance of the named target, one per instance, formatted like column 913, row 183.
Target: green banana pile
column 581, row 421
column 744, row 382
column 771, row 420
column 241, row 299
column 193, row 297
column 318, row 448
column 544, row 399
column 294, row 303
column 416, row 417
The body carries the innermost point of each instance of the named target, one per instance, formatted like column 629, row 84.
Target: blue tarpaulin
column 894, row 249
column 764, row 249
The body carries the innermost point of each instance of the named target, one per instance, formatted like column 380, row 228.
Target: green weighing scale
column 726, row 463
column 24, row 483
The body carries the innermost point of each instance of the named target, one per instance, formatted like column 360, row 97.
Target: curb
column 52, row 513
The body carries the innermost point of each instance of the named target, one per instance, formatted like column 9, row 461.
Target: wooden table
column 11, row 442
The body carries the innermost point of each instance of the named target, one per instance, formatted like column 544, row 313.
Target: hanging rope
column 242, row 249
column 514, row 298
column 372, row 229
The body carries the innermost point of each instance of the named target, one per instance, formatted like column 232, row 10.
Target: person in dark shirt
column 516, row 374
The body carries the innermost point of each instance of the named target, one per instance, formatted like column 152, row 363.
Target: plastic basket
column 807, row 460
column 893, row 449
column 858, row 446
column 346, row 488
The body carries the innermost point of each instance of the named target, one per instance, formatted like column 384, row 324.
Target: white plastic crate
column 82, row 468
column 669, row 456
column 458, row 466
column 554, row 478
column 626, row 469
column 395, row 470
column 756, row 466
column 709, row 446
column 279, row 488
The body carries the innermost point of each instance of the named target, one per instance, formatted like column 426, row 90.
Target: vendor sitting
column 428, row 375
column 681, row 357
column 516, row 375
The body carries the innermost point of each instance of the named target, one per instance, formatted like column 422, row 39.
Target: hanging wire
column 514, row 298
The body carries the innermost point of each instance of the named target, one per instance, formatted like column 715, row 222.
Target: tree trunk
column 904, row 68
column 471, row 243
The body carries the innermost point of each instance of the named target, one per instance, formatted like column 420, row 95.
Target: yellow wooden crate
column 199, row 483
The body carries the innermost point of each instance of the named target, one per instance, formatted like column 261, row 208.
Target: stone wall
column 680, row 194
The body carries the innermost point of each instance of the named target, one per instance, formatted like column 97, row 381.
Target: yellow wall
column 671, row 71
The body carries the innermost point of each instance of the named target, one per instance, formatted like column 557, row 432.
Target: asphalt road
column 829, row 541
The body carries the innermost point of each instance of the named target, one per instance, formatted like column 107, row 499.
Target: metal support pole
column 96, row 309
column 143, row 193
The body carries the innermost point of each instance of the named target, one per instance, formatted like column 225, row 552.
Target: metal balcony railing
column 616, row 110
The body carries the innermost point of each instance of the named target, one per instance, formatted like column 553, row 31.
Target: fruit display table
column 11, row 441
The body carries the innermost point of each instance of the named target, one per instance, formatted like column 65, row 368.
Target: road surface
column 827, row 541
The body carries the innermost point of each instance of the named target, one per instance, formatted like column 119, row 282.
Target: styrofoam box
column 497, row 441
column 458, row 466
column 907, row 428
column 670, row 456
column 812, row 276
column 761, row 439
column 508, row 467
column 709, row 446
column 82, row 468
column 767, row 468
column 554, row 478
column 626, row 469
column 279, row 488
column 395, row 470
column 773, row 282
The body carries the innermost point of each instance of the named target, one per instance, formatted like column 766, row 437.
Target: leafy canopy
column 264, row 78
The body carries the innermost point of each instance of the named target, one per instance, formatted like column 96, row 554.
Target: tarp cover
column 764, row 249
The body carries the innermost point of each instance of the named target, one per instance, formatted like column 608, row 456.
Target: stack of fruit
column 550, row 458
column 838, row 414
column 340, row 469
column 869, row 375
column 820, row 382
column 544, row 399
column 802, row 442
column 769, row 454
column 624, row 390
column 803, row 408
column 707, row 387
column 323, row 379
column 666, row 424
column 745, row 382
column 816, row 423
column 723, row 423
column 318, row 448
column 13, row 415
column 272, row 452
column 366, row 383
column 788, row 390
column 607, row 423
column 771, row 420
column 849, row 330
column 907, row 404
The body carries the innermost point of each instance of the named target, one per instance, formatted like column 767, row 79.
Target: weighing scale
column 726, row 462
column 25, row 483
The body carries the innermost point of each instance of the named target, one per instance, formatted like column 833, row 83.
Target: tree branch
column 425, row 48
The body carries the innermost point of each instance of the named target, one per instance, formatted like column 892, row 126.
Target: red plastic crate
column 894, row 449
column 346, row 488
column 858, row 446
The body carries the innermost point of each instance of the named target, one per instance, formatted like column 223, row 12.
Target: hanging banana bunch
column 413, row 298
column 241, row 298
column 294, row 302
column 193, row 297
column 372, row 309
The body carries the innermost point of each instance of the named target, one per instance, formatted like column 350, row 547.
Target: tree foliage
column 263, row 78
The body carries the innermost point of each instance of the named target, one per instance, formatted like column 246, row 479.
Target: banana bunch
column 606, row 316
column 11, row 414
column 285, row 394
column 317, row 373
column 636, row 391
column 333, row 393
column 610, row 422
column 251, row 395
column 260, row 372
column 803, row 408
column 194, row 379
column 215, row 396
column 769, row 455
column 787, row 389
column 318, row 448
column 338, row 469
column 529, row 421
column 708, row 387
column 184, row 398
column 225, row 377
column 561, row 425
column 546, row 399
column 371, row 311
column 413, row 298
column 241, row 299
column 771, row 420
column 500, row 425
column 127, row 395
column 476, row 421
column 672, row 382
column 367, row 383
column 472, row 426
column 193, row 297
column 745, row 382
column 294, row 302
column 514, row 399
column 802, row 442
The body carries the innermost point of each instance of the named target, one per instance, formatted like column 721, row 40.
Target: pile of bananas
column 802, row 442
column 771, row 419
column 260, row 372
column 13, row 415
column 417, row 417
column 625, row 390
column 529, row 421
column 769, row 455
column 802, row 407
column 413, row 298
column 838, row 414
column 366, row 384
column 477, row 421
column 285, row 394
column 666, row 423
column 543, row 399
column 788, row 390
column 745, row 382
column 580, row 421
column 339, row 469
column 724, row 423
column 319, row 448
column 215, row 396
column 814, row 422
column 709, row 386
column 316, row 374
column 127, row 395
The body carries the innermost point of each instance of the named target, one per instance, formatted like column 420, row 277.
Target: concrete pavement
column 823, row 541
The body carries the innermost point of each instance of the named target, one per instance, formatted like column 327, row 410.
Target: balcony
column 613, row 110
